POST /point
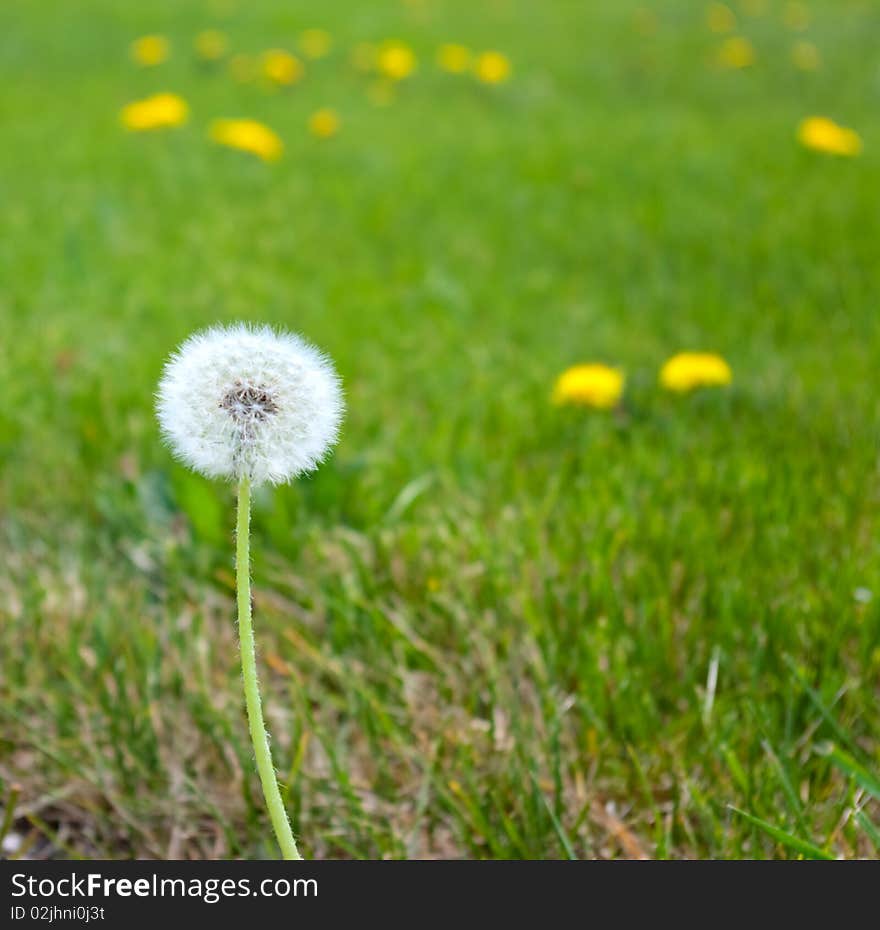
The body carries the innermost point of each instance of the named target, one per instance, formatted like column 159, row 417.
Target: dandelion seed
column 211, row 45
column 735, row 53
column 324, row 123
column 161, row 111
column 253, row 405
column 315, row 43
column 281, row 67
column 396, row 60
column 149, row 51
column 248, row 135
column 824, row 135
column 492, row 68
column 689, row 370
column 456, row 59
column 595, row 385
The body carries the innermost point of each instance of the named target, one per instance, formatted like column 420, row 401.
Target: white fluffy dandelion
column 247, row 401
column 253, row 405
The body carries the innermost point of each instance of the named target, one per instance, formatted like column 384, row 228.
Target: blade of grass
column 557, row 826
column 870, row 828
column 819, row 704
column 9, row 816
column 847, row 764
column 786, row 839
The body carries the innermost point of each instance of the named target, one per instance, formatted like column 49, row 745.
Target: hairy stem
column 277, row 813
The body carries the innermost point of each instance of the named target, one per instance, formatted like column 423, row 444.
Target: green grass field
column 488, row 627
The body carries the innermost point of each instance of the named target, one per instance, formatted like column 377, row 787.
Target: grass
column 487, row 628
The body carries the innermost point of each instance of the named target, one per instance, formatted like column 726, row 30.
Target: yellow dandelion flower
column 149, row 51
column 281, row 67
column 805, row 56
column 396, row 60
column 315, row 43
column 161, row 111
column 381, row 92
column 363, row 57
column 736, row 52
column 824, row 135
column 796, row 16
column 596, row 386
column 211, row 45
column 689, row 370
column 243, row 68
column 324, row 123
column 492, row 67
column 247, row 135
column 456, row 59
column 720, row 18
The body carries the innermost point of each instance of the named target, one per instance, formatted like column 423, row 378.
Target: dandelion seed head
column 249, row 401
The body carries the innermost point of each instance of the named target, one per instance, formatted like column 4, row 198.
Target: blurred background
column 491, row 626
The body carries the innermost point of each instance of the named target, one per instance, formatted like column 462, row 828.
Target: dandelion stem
column 277, row 813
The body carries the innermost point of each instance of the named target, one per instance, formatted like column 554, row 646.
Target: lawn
column 488, row 627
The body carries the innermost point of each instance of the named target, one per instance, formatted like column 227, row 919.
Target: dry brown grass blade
column 615, row 827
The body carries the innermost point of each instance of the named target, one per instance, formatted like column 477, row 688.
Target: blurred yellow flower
column 456, row 59
column 315, row 43
column 796, row 16
column 736, row 52
column 248, row 135
column 492, row 67
column 720, row 18
column 242, row 68
column 211, row 45
column 824, row 135
column 160, row 111
column 396, row 60
column 689, row 370
column 381, row 92
column 805, row 56
column 324, row 123
column 148, row 51
column 589, row 386
column 281, row 67
column 363, row 57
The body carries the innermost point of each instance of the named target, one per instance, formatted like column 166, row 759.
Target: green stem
column 277, row 814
